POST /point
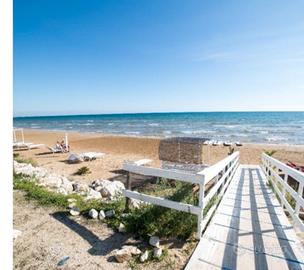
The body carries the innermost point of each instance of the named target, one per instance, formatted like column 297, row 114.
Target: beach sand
column 121, row 148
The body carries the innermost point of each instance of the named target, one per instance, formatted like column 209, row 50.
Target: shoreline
column 157, row 137
column 119, row 148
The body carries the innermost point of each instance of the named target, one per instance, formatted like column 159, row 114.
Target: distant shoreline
column 102, row 134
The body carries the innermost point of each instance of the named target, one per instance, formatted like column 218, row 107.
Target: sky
column 82, row 57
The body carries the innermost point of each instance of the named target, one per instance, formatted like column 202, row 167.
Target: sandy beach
column 121, row 148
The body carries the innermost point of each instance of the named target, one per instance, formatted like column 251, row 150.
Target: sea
column 246, row 127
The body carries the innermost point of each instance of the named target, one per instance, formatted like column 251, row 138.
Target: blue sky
column 149, row 56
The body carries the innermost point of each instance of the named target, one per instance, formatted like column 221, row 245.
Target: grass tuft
column 20, row 159
column 82, row 171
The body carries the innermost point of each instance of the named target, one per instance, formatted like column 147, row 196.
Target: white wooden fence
column 278, row 173
column 219, row 175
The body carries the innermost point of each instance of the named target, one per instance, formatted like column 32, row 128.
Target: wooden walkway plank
column 249, row 229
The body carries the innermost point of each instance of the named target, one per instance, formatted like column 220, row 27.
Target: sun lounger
column 25, row 146
column 227, row 143
column 57, row 149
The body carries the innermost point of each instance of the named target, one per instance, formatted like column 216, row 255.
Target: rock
column 122, row 228
column 72, row 200
column 134, row 250
column 154, row 241
column 144, row 256
column 108, row 188
column 28, row 169
column 157, row 252
column 122, row 256
column 72, row 205
column 125, row 253
column 16, row 233
column 61, row 190
column 63, row 261
column 102, row 214
column 75, row 211
column 134, row 203
column 67, row 185
column 93, row 213
column 52, row 180
column 110, row 213
column 80, row 187
column 74, row 158
column 93, row 195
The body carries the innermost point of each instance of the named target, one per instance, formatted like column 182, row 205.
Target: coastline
column 119, row 148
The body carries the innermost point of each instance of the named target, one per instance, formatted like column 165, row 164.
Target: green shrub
column 270, row 152
column 82, row 171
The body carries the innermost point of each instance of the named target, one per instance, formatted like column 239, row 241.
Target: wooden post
column 201, row 206
column 300, row 192
column 284, row 189
column 128, row 187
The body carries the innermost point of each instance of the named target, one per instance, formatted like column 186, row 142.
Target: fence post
column 201, row 206
column 300, row 192
column 128, row 187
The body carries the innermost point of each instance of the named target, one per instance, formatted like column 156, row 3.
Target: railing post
column 300, row 192
column 201, row 206
column 128, row 187
column 283, row 188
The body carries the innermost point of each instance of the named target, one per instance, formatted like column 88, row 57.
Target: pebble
column 75, row 211
column 144, row 256
column 93, row 213
column 154, row 241
column 102, row 214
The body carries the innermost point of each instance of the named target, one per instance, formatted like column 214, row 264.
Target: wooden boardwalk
column 249, row 229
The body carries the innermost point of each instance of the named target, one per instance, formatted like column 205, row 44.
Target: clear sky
column 147, row 56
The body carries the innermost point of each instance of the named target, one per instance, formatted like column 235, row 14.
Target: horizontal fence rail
column 217, row 176
column 288, row 184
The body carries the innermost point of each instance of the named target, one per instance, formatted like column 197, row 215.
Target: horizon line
column 153, row 112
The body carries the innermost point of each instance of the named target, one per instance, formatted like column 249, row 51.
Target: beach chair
column 61, row 148
column 22, row 145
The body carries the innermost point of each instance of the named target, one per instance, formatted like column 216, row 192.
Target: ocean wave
column 154, row 124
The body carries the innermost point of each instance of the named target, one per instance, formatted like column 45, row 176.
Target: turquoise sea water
column 257, row 127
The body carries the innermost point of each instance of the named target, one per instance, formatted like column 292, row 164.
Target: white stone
column 72, row 200
column 109, row 188
column 144, row 256
column 61, row 190
column 72, row 205
column 67, row 185
column 154, row 241
column 93, row 195
column 110, row 213
column 157, row 252
column 52, row 180
column 122, row 228
column 125, row 253
column 16, row 233
column 93, row 213
column 75, row 211
column 74, row 158
column 80, row 187
column 102, row 214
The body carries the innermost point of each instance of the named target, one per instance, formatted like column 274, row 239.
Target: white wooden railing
column 217, row 177
column 273, row 169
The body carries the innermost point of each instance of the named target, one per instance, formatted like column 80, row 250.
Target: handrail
column 222, row 173
column 215, row 169
column 272, row 168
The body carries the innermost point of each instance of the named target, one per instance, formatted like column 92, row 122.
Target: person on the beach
column 58, row 145
column 64, row 146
